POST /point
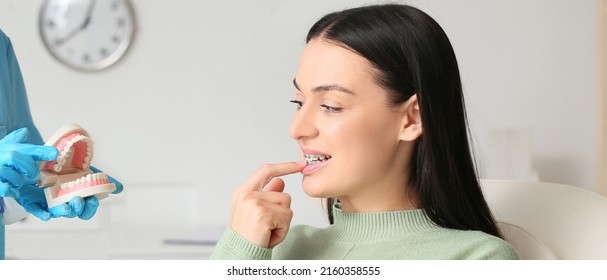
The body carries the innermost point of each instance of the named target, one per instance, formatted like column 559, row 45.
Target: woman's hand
column 261, row 211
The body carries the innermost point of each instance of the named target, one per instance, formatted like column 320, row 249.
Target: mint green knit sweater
column 408, row 234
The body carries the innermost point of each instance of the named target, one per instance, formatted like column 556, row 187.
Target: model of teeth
column 67, row 145
column 69, row 175
column 316, row 159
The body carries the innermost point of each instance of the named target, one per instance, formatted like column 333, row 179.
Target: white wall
column 202, row 96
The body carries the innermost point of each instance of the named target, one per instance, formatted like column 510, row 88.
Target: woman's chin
column 316, row 190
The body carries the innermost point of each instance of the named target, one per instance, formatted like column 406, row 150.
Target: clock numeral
column 116, row 39
column 86, row 58
column 121, row 22
column 57, row 42
column 115, row 5
column 50, row 24
column 103, row 52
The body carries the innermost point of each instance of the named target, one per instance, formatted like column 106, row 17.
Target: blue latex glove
column 119, row 186
column 18, row 165
column 33, row 200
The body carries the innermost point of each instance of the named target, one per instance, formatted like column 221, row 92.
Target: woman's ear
column 411, row 125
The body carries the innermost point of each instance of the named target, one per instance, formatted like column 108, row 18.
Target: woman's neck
column 380, row 199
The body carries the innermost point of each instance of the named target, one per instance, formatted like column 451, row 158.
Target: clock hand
column 77, row 30
column 89, row 12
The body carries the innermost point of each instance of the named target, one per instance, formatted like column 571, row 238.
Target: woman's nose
column 303, row 124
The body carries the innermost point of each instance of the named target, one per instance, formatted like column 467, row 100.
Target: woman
column 382, row 127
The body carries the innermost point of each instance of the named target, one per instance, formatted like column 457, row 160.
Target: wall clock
column 87, row 35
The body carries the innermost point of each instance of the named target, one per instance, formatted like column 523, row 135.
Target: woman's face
column 344, row 124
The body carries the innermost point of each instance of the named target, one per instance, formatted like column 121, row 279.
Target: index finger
column 38, row 152
column 268, row 171
column 17, row 136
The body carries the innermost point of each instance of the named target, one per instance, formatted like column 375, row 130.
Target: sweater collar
column 375, row 226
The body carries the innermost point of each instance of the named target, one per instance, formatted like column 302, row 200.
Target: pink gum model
column 69, row 175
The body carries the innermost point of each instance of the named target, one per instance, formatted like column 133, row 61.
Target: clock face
column 87, row 35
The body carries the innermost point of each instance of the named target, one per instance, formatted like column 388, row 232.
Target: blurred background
column 201, row 100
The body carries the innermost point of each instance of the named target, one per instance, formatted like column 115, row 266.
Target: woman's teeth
column 316, row 159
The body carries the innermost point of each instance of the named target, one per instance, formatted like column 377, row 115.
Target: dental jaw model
column 69, row 175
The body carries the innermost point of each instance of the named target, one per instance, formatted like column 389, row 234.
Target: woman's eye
column 331, row 109
column 299, row 103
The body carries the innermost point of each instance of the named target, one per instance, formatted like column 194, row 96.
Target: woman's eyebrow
column 326, row 88
column 295, row 84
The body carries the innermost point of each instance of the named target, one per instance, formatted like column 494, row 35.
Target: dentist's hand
column 33, row 200
column 261, row 212
column 18, row 162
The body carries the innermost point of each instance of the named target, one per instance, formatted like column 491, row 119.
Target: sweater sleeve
column 232, row 246
column 498, row 250
column 503, row 253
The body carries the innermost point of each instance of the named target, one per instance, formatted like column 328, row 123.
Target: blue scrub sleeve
column 14, row 108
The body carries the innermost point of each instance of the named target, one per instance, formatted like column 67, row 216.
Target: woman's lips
column 308, row 170
column 316, row 160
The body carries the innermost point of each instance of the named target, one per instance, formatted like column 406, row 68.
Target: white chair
column 549, row 221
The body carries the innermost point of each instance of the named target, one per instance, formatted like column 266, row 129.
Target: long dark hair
column 414, row 56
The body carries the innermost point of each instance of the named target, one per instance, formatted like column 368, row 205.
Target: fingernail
column 303, row 161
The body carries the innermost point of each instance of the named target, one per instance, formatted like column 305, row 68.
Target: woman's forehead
column 327, row 63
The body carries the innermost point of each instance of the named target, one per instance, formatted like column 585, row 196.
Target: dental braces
column 314, row 159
